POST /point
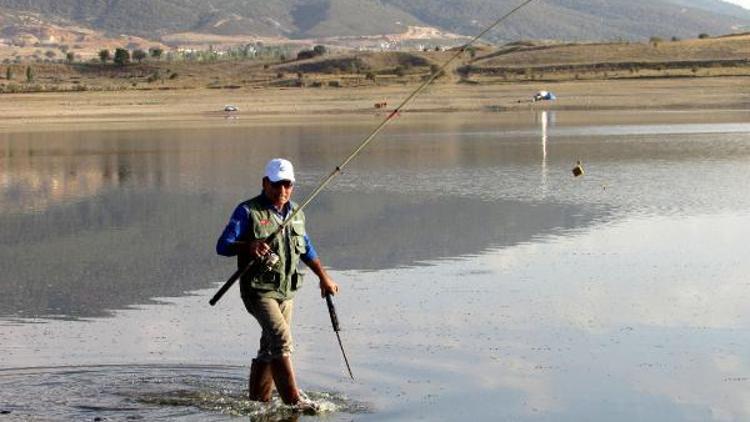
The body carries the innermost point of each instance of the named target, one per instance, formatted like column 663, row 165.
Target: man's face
column 279, row 193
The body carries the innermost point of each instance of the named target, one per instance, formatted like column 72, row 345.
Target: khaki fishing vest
column 285, row 278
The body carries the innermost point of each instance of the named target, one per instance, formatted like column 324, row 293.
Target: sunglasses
column 285, row 183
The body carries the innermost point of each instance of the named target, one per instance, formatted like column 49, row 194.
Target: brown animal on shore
column 382, row 104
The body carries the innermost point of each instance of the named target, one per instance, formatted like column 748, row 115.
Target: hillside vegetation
column 512, row 63
column 709, row 56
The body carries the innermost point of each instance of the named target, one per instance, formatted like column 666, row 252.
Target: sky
column 743, row 3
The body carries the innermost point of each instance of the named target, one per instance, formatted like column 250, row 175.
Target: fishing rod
column 336, row 329
column 339, row 168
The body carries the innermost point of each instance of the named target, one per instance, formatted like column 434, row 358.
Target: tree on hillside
column 139, row 55
column 156, row 52
column 104, row 55
column 122, row 57
column 320, row 50
column 70, row 57
column 9, row 73
column 50, row 54
column 306, row 54
column 703, row 35
column 29, row 74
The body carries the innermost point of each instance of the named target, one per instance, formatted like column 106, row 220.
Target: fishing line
column 241, row 271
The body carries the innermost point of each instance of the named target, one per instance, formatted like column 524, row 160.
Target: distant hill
column 720, row 7
column 576, row 20
column 570, row 20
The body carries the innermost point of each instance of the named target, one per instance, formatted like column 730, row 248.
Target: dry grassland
column 692, row 74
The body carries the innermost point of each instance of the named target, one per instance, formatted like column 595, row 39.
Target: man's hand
column 257, row 248
column 327, row 285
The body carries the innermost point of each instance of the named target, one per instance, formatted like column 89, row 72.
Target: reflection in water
column 115, row 218
column 116, row 250
column 362, row 231
column 493, row 294
column 44, row 169
column 121, row 217
column 543, row 121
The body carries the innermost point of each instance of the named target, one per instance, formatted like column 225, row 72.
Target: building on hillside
column 25, row 40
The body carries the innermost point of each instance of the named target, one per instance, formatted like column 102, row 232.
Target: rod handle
column 332, row 313
column 230, row 281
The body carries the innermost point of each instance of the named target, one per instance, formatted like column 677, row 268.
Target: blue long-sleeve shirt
column 240, row 224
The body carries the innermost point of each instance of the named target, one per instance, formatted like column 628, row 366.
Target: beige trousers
column 275, row 318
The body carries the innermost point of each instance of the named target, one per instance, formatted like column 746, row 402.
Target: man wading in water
column 268, row 293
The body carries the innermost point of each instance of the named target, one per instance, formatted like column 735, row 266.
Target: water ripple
column 188, row 392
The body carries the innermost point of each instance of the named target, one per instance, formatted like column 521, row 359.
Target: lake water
column 479, row 279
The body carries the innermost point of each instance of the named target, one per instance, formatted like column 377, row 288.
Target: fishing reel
column 268, row 262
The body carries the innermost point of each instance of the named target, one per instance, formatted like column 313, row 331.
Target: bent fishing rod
column 258, row 262
column 339, row 168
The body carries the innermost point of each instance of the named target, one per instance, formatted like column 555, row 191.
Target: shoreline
column 203, row 107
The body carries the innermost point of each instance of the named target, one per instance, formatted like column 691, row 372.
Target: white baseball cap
column 279, row 169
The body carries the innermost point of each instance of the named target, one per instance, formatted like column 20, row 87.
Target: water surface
column 480, row 279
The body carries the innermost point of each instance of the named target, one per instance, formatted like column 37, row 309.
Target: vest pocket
column 299, row 243
column 298, row 237
column 265, row 281
column 297, row 279
column 298, row 228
